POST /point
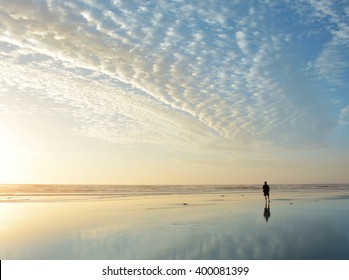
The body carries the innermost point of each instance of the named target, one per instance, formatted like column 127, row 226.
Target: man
column 266, row 190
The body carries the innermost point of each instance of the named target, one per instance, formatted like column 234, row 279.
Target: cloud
column 344, row 116
column 242, row 42
column 177, row 73
column 330, row 20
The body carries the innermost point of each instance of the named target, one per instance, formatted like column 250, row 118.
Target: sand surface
column 177, row 222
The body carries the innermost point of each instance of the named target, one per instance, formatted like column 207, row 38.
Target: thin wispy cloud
column 203, row 74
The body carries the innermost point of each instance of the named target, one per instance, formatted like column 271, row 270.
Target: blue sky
column 174, row 91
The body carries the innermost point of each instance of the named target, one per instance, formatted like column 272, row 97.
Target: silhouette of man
column 266, row 190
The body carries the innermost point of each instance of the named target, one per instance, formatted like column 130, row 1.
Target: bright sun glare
column 7, row 153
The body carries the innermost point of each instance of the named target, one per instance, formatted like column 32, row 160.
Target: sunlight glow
column 8, row 155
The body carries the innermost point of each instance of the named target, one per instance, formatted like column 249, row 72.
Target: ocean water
column 174, row 222
column 54, row 193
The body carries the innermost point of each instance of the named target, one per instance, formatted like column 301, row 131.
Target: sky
column 174, row 92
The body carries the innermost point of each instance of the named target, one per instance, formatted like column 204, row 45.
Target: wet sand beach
column 174, row 222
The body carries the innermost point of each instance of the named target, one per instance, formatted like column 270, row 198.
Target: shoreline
column 61, row 193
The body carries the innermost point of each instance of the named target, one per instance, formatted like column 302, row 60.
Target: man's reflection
column 266, row 213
